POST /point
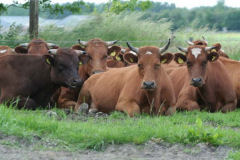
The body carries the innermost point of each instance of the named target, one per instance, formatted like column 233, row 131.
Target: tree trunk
column 33, row 19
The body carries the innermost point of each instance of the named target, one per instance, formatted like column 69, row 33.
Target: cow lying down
column 143, row 87
column 34, row 78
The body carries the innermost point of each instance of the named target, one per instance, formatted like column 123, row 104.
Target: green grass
column 185, row 128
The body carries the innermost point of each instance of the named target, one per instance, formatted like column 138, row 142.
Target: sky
column 179, row 3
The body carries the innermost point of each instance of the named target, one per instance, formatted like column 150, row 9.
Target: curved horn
column 23, row 44
column 210, row 48
column 164, row 48
column 123, row 50
column 190, row 43
column 52, row 51
column 3, row 51
column 204, row 39
column 51, row 44
column 79, row 52
column 183, row 49
column 110, row 43
column 84, row 43
column 136, row 50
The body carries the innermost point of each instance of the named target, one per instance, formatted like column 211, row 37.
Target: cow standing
column 34, row 78
column 206, row 83
column 143, row 87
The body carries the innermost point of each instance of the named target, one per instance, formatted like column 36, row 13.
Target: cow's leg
column 84, row 97
column 131, row 108
column 187, row 105
column 229, row 107
column 67, row 98
column 170, row 111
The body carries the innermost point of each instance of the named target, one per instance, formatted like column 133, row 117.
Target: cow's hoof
column 83, row 108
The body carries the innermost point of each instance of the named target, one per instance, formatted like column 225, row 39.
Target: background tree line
column 217, row 17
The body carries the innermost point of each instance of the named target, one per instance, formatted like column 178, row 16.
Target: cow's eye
column 104, row 57
column 189, row 64
column 156, row 66
column 140, row 66
column 204, row 63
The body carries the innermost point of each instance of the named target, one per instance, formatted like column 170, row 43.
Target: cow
column 94, row 61
column 142, row 87
column 115, row 58
column 204, row 82
column 32, row 79
column 4, row 50
column 36, row 46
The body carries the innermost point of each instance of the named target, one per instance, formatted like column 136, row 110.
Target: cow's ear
column 49, row 59
column 130, row 58
column 83, row 59
column 78, row 47
column 114, row 50
column 212, row 56
column 166, row 58
column 217, row 47
column 180, row 58
column 21, row 50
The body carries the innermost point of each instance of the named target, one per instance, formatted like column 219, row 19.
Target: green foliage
column 118, row 6
column 234, row 156
column 198, row 133
column 3, row 8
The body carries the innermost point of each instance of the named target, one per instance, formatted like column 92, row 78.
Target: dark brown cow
column 143, row 87
column 34, row 78
column 36, row 46
column 205, row 81
column 94, row 61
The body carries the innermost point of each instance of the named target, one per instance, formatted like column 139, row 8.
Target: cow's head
column 6, row 50
column 149, row 60
column 64, row 67
column 197, row 59
column 36, row 46
column 115, row 58
column 95, row 59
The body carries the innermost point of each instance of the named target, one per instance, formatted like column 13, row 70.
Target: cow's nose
column 95, row 72
column 196, row 82
column 77, row 82
column 149, row 85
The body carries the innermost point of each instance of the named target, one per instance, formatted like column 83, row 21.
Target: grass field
column 68, row 133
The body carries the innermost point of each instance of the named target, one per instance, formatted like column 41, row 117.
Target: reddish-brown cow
column 143, row 87
column 94, row 61
column 205, row 81
column 36, row 46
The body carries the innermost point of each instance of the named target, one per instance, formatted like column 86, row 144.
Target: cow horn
column 3, row 51
column 204, row 39
column 79, row 52
column 84, row 43
column 23, row 44
column 52, row 51
column 123, row 50
column 183, row 49
column 190, row 43
column 110, row 43
column 164, row 48
column 209, row 48
column 51, row 44
column 136, row 50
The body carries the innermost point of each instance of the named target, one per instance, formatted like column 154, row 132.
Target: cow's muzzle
column 197, row 82
column 149, row 85
column 76, row 83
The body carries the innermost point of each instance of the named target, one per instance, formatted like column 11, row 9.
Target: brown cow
column 205, row 81
column 36, row 46
column 94, row 61
column 4, row 50
column 34, row 78
column 143, row 87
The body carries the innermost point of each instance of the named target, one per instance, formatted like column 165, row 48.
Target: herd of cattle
column 109, row 77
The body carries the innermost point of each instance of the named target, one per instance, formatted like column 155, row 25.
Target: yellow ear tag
column 48, row 61
column 180, row 61
column 163, row 61
column 213, row 50
column 213, row 58
column 113, row 54
column 131, row 60
column 80, row 63
column 118, row 58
